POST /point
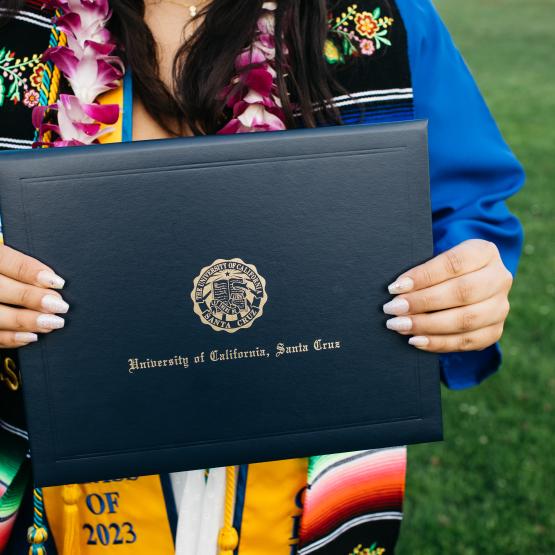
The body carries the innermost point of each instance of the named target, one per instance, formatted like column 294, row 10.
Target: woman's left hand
column 457, row 301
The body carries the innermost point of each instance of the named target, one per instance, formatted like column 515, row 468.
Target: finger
column 472, row 341
column 13, row 340
column 19, row 294
column 455, row 320
column 462, row 291
column 21, row 267
column 466, row 257
column 21, row 319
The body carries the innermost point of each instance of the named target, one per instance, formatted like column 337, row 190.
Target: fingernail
column 50, row 322
column 401, row 323
column 396, row 307
column 25, row 337
column 419, row 341
column 50, row 279
column 402, row 285
column 54, row 304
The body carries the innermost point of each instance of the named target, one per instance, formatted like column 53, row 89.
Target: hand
column 28, row 303
column 458, row 301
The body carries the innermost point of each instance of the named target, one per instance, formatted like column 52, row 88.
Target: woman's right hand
column 28, row 300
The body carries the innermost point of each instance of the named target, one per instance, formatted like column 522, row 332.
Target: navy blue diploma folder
column 226, row 298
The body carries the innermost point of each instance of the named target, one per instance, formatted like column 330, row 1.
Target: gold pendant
column 193, row 11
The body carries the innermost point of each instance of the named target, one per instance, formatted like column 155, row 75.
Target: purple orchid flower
column 77, row 35
column 81, row 122
column 92, row 74
column 253, row 93
column 91, row 12
column 90, row 67
column 255, row 118
column 78, row 123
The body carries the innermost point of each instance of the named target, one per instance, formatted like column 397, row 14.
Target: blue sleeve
column 472, row 169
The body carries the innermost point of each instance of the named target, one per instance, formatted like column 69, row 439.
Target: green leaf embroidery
column 2, row 91
column 348, row 47
column 381, row 38
column 13, row 90
column 376, row 13
column 345, row 45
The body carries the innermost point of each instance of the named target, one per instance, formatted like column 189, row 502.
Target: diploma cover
column 226, row 298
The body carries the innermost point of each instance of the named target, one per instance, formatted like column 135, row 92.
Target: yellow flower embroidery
column 366, row 25
column 357, row 33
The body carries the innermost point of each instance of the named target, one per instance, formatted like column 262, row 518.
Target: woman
column 255, row 66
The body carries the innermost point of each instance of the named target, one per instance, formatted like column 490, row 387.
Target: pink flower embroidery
column 31, row 98
column 367, row 47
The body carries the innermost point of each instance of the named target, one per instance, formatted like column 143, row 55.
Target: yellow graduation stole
column 126, row 515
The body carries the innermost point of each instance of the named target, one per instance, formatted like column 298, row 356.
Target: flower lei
column 90, row 68
column 253, row 94
column 88, row 64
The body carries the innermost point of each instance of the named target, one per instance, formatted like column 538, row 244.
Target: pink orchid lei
column 253, row 94
column 90, row 68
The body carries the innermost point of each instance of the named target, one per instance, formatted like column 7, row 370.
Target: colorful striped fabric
column 14, row 474
column 351, row 497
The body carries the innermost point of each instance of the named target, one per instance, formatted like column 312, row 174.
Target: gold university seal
column 229, row 295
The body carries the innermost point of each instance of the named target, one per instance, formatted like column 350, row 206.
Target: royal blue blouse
column 472, row 169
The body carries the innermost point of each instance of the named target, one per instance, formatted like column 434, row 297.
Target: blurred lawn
column 490, row 487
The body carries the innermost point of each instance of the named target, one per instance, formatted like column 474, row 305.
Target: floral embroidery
column 366, row 25
column 36, row 77
column 372, row 550
column 31, row 98
column 355, row 33
column 14, row 77
column 367, row 47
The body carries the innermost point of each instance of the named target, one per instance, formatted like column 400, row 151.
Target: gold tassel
column 37, row 537
column 71, row 495
column 228, row 539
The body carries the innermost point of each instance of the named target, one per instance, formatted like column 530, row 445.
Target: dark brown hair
column 204, row 64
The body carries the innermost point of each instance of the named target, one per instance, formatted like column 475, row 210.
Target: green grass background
column 489, row 488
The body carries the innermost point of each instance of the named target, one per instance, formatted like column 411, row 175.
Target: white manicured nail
column 25, row 337
column 396, row 307
column 419, row 341
column 50, row 322
column 402, row 285
column 401, row 323
column 54, row 304
column 50, row 279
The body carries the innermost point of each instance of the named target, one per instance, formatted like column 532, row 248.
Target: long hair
column 204, row 63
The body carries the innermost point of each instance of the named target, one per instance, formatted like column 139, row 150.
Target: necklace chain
column 192, row 7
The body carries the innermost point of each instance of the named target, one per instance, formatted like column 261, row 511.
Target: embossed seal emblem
column 229, row 295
